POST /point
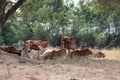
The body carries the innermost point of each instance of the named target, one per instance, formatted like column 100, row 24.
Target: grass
column 4, row 73
column 52, row 48
column 79, row 68
column 111, row 54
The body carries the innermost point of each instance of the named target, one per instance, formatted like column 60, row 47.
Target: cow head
column 68, row 43
column 34, row 47
column 83, row 47
column 28, row 44
column 45, row 44
column 88, row 51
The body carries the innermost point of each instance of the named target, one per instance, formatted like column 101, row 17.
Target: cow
column 96, row 53
column 11, row 49
column 32, row 48
column 24, row 52
column 8, row 49
column 32, row 52
column 83, row 47
column 30, row 43
column 79, row 53
column 53, row 54
column 68, row 43
column 35, row 54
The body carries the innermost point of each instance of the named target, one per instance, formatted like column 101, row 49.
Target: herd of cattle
column 37, row 49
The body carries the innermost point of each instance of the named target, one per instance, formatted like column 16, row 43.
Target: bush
column 19, row 44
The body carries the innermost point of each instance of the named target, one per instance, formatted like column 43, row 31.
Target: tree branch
column 3, row 4
column 13, row 9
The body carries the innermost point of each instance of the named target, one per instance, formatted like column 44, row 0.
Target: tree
column 5, row 14
column 111, row 6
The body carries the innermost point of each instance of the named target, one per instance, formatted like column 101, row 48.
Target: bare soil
column 12, row 68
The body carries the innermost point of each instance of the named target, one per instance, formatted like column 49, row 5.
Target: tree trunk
column 2, row 12
column 1, row 25
column 5, row 16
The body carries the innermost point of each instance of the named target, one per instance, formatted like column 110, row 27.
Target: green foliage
column 51, row 19
column 38, row 31
column 15, row 32
column 111, row 6
column 19, row 44
column 101, row 37
column 1, row 40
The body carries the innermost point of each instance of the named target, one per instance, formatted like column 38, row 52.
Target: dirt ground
column 11, row 68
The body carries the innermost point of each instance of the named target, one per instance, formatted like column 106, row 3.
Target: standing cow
column 68, row 43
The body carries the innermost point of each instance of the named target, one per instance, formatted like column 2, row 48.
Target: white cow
column 32, row 54
column 35, row 54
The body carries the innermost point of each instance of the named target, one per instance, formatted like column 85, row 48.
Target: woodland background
column 93, row 23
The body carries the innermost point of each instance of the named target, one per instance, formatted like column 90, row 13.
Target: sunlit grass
column 114, row 53
column 62, row 68
column 51, row 48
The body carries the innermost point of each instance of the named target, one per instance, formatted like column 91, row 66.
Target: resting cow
column 33, row 48
column 83, row 47
column 68, row 43
column 35, row 54
column 29, row 52
column 84, row 52
column 24, row 52
column 53, row 54
column 11, row 49
column 96, row 53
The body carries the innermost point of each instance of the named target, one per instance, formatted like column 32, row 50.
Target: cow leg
column 68, row 49
column 23, row 56
column 38, row 56
column 30, row 56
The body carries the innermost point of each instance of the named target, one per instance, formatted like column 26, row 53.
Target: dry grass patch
column 77, row 68
column 4, row 73
column 112, row 54
column 52, row 48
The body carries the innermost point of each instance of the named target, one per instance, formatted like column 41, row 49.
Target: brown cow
column 11, row 49
column 68, row 43
column 83, row 47
column 84, row 52
column 53, row 54
column 30, row 43
column 96, row 53
column 8, row 49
